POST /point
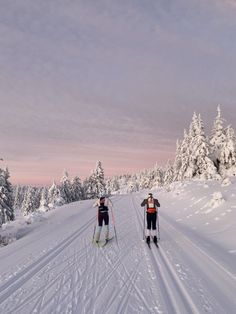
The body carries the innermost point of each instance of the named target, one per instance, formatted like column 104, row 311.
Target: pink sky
column 115, row 161
column 113, row 81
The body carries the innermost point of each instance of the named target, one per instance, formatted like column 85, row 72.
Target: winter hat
column 102, row 196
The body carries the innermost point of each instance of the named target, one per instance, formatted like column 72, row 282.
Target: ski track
column 171, row 287
column 22, row 277
column 176, row 282
column 128, row 285
column 71, row 284
column 35, row 269
column 77, row 277
column 217, row 282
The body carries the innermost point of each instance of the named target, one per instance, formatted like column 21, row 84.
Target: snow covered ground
column 54, row 268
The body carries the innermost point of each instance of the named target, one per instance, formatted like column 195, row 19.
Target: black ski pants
column 103, row 217
column 152, row 221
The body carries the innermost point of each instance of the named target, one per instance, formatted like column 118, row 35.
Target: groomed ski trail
column 66, row 273
column 193, row 280
column 174, row 294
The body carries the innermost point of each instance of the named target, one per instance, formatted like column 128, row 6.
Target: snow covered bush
column 216, row 201
column 6, row 239
column 226, row 182
column 7, row 233
column 34, row 217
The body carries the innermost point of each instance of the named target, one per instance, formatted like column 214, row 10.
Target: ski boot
column 106, row 232
column 155, row 239
column 97, row 237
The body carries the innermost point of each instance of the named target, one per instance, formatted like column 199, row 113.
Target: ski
column 103, row 243
column 106, row 241
column 95, row 243
column 148, row 243
column 156, row 244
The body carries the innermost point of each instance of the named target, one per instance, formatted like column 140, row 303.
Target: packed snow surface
column 53, row 267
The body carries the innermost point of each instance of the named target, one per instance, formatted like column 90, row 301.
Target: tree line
column 197, row 156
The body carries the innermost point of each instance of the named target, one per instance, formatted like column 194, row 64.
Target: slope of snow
column 54, row 268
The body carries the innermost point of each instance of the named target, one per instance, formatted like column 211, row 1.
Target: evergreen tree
column 85, row 187
column 19, row 195
column 95, row 184
column 184, row 156
column 37, row 197
column 16, row 197
column 6, row 197
column 77, row 190
column 227, row 155
column 100, row 187
column 112, row 185
column 201, row 164
column 89, row 187
column 52, row 193
column 156, row 177
column 123, row 182
column 217, row 138
column 54, row 196
column 24, row 198
column 169, row 175
column 189, row 161
column 43, row 201
column 144, row 180
column 29, row 206
column 66, row 188
column 132, row 184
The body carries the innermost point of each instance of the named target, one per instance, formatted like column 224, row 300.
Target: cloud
column 225, row 3
column 118, row 81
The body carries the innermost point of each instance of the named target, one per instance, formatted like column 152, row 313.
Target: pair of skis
column 149, row 244
column 103, row 243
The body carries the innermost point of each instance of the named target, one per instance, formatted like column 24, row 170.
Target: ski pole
column 113, row 222
column 158, row 227
column 144, row 224
column 94, row 229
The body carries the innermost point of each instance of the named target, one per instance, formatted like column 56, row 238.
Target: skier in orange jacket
column 151, row 204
